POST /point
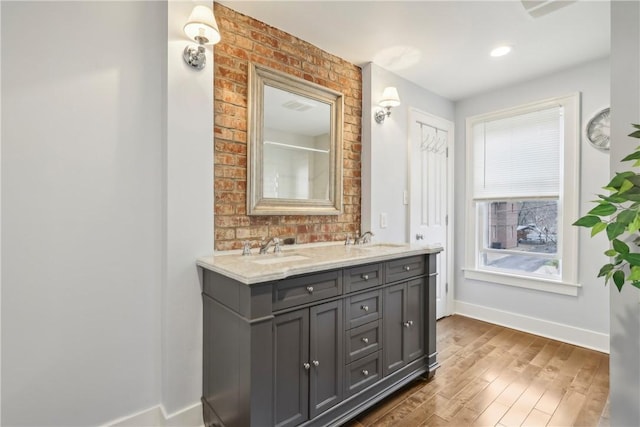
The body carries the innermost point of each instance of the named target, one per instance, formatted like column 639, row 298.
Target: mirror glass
column 295, row 150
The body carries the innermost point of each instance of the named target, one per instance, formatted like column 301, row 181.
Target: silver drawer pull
column 365, row 277
column 365, row 340
column 407, row 268
column 364, row 307
column 365, row 372
column 306, row 366
column 315, row 363
column 408, row 324
column 310, row 289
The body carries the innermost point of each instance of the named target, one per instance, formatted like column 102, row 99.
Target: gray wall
column 107, row 199
column 384, row 150
column 587, row 312
column 625, row 307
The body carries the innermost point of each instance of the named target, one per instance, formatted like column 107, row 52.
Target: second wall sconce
column 390, row 98
column 203, row 29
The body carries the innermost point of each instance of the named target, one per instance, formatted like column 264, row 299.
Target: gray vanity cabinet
column 308, row 360
column 403, row 324
column 316, row 349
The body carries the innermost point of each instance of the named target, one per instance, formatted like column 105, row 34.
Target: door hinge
column 446, row 219
column 446, row 287
column 447, row 152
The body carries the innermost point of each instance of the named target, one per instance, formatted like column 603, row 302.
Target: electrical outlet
column 383, row 220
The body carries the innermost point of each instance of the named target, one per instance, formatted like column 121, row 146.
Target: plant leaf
column 626, row 186
column 635, row 134
column 621, row 247
column 636, row 154
column 633, row 259
column 635, row 274
column 617, row 180
column 618, row 279
column 598, row 228
column 610, row 252
column 613, row 198
column 605, row 269
column 603, row 209
column 626, row 216
column 614, row 230
column 587, row 221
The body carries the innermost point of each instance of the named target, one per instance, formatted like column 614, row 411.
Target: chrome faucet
column 366, row 236
column 264, row 247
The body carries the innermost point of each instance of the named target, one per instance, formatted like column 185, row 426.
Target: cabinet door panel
column 414, row 334
column 327, row 356
column 393, row 341
column 291, row 352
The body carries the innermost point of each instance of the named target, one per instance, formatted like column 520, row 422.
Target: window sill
column 553, row 286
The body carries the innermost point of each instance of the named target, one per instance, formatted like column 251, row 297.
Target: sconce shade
column 202, row 26
column 390, row 97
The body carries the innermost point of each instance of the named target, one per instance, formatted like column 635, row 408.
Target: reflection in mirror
column 295, row 151
column 296, row 146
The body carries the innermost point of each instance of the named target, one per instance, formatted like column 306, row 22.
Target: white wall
column 625, row 307
column 106, row 202
column 584, row 318
column 384, row 150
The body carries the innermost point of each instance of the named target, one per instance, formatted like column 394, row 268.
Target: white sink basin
column 379, row 246
column 279, row 259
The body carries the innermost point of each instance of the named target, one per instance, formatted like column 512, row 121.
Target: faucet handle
column 246, row 248
column 348, row 240
column 276, row 249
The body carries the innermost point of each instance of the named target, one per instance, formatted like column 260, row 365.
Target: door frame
column 450, row 126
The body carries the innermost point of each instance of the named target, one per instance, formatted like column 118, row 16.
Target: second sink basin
column 279, row 259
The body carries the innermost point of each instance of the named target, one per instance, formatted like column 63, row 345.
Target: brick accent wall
column 245, row 40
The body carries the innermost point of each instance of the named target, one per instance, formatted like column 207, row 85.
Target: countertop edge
column 358, row 257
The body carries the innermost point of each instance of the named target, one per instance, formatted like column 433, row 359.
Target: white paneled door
column 430, row 194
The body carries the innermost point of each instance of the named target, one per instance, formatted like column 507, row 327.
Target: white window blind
column 518, row 156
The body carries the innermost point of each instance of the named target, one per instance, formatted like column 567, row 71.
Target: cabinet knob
column 364, row 307
column 365, row 277
column 408, row 324
column 407, row 268
column 315, row 363
column 365, row 340
column 306, row 366
column 365, row 372
column 310, row 289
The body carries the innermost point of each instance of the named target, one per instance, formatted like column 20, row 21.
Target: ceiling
column 444, row 46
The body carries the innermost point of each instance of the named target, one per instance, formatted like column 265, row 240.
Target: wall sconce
column 203, row 29
column 390, row 98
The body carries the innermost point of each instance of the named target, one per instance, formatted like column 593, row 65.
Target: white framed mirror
column 295, row 145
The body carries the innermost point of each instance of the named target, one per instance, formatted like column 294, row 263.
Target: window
column 523, row 195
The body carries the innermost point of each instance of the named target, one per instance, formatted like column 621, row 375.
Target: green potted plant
column 618, row 214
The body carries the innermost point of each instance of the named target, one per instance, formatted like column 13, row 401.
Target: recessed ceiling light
column 500, row 51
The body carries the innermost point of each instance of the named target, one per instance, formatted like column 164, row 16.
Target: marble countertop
column 309, row 258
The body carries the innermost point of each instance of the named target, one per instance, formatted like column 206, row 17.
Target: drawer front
column 404, row 268
column 362, row 373
column 305, row 289
column 363, row 277
column 363, row 308
column 362, row 341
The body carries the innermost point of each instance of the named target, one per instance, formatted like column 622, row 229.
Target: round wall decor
column 598, row 129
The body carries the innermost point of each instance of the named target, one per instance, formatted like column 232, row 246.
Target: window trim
column 568, row 208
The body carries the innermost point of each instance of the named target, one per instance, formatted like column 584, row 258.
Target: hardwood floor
column 495, row 376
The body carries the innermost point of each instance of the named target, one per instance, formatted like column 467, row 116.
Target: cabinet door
column 291, row 369
column 326, row 357
column 414, row 332
column 393, row 329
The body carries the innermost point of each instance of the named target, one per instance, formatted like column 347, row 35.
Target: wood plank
column 568, row 409
column 491, row 415
column 536, row 418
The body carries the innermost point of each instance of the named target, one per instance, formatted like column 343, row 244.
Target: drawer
column 404, row 268
column 362, row 341
column 305, row 289
column 362, row 308
column 362, row 277
column 362, row 373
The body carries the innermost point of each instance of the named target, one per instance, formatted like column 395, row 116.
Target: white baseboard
column 557, row 331
column 156, row 416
